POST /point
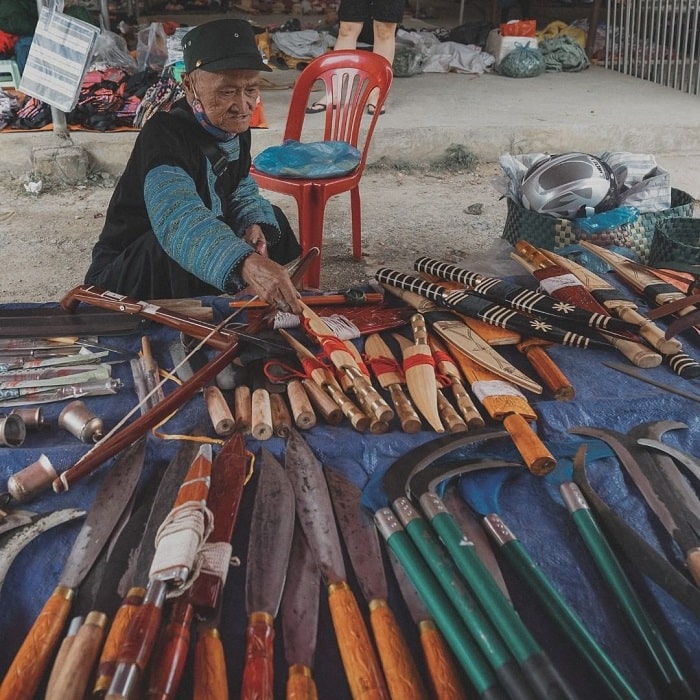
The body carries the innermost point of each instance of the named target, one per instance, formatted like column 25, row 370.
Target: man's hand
column 271, row 282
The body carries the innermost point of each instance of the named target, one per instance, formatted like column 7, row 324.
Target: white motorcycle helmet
column 569, row 185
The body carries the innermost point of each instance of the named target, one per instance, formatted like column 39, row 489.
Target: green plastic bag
column 522, row 62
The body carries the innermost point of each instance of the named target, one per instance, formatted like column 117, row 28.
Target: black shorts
column 390, row 11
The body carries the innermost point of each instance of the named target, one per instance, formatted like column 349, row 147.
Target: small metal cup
column 12, row 430
column 78, row 420
column 31, row 480
column 33, row 417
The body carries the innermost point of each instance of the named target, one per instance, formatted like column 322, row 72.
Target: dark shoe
column 316, row 108
column 372, row 108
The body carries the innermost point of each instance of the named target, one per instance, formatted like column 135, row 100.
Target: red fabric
column 7, row 44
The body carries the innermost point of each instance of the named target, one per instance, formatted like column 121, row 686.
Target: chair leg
column 356, row 217
column 311, row 215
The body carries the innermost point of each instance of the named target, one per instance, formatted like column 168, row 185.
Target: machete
column 690, row 462
column 115, row 492
column 300, row 607
column 271, row 530
column 362, row 544
column 315, row 513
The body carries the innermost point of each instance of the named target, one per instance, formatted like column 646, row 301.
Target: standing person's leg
column 384, row 45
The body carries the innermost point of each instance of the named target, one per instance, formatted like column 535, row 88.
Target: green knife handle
column 210, row 679
column 560, row 612
column 610, row 568
column 138, row 643
column 32, row 660
column 110, row 651
column 469, row 656
column 481, row 627
column 258, row 672
column 167, row 668
column 75, row 671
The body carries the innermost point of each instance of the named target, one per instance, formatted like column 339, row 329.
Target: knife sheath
column 300, row 406
column 505, row 402
column 547, row 370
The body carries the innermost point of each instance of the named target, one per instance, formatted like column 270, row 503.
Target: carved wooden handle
column 538, row 459
column 650, row 331
column 166, row 670
column 409, row 419
column 77, row 667
column 258, row 683
column 449, row 416
column 221, row 417
column 466, row 406
column 442, row 668
column 31, row 662
column 637, row 353
column 357, row 418
column 356, row 651
column 210, row 679
column 300, row 684
column 400, row 671
column 110, row 651
column 324, row 404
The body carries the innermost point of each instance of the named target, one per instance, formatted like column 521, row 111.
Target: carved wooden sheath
column 473, row 305
column 527, row 300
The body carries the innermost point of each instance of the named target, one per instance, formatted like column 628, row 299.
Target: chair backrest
column 348, row 77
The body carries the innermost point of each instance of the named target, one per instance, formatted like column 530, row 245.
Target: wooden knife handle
column 300, row 684
column 357, row 417
column 402, row 676
column 302, row 411
column 466, row 406
column 78, row 665
column 261, row 426
column 637, row 353
column 62, row 653
column 166, row 670
column 420, row 332
column 210, row 679
column 449, row 416
column 32, row 660
column 110, row 650
column 281, row 417
column 258, row 672
column 221, row 417
column 443, row 671
column 650, row 331
column 324, row 404
column 409, row 419
column 356, row 651
column 242, row 408
column 548, row 371
column 538, row 459
column 692, row 559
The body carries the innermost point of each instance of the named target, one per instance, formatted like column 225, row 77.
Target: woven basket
column 675, row 241
column 551, row 234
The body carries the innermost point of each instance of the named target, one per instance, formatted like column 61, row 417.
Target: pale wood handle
column 356, row 651
column 261, row 425
column 409, row 419
column 400, row 671
column 357, row 418
column 302, row 410
column 449, row 416
column 243, row 408
column 76, row 670
column 650, row 331
column 324, row 404
column 61, row 655
column 538, row 459
column 466, row 406
column 221, row 417
column 638, row 354
column 29, row 665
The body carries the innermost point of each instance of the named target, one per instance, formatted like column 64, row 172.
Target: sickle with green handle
column 535, row 664
column 501, row 617
column 481, row 498
column 650, row 636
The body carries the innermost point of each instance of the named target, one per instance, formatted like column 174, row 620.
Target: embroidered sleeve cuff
column 234, row 282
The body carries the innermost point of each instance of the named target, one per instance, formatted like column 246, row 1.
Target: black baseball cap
column 223, row 44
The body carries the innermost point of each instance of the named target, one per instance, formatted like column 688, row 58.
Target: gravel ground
column 449, row 210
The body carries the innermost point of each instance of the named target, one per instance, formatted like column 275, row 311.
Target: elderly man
column 186, row 217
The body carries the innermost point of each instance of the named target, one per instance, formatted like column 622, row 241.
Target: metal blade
column 271, row 530
column 314, row 508
column 300, row 603
column 113, row 496
column 360, row 536
column 15, row 519
column 691, row 463
column 137, row 573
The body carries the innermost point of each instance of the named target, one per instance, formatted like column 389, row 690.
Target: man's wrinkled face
column 227, row 97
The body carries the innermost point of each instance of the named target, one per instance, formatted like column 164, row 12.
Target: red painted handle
column 258, row 670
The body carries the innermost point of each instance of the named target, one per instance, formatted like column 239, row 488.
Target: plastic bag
column 606, row 220
column 152, row 47
column 313, row 159
column 408, row 61
column 522, row 62
column 519, row 27
column 111, row 52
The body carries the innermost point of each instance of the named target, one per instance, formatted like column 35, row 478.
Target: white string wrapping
column 341, row 326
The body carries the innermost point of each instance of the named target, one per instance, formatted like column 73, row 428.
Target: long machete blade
column 114, row 493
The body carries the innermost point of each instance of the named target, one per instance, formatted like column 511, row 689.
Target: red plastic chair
column 349, row 77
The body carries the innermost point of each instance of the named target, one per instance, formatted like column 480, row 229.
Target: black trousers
column 144, row 270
